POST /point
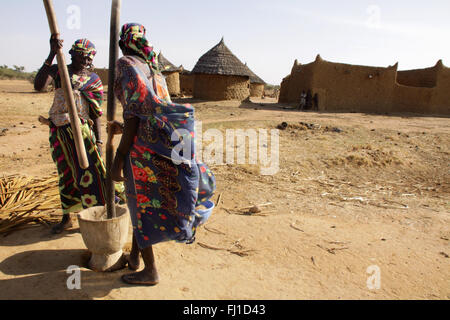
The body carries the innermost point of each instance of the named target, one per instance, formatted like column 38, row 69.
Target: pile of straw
column 26, row 201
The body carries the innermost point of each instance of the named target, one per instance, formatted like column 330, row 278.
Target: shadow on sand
column 34, row 234
column 43, row 261
column 267, row 106
column 42, row 274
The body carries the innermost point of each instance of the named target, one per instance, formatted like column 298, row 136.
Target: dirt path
column 345, row 207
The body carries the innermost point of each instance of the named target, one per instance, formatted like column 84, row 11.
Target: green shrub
column 16, row 74
column 268, row 86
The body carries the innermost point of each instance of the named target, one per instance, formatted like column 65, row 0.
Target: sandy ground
column 368, row 202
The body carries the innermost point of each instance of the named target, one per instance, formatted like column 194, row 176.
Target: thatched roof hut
column 186, row 82
column 220, row 75
column 256, row 84
column 171, row 73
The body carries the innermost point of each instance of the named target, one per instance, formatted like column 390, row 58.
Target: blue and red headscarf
column 132, row 36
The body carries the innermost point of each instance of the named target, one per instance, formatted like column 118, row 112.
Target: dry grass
column 26, row 201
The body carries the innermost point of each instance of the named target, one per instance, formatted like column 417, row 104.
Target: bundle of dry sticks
column 27, row 201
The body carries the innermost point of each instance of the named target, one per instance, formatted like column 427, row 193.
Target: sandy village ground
column 357, row 212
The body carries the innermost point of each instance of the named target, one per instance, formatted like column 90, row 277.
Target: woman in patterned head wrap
column 79, row 188
column 163, row 195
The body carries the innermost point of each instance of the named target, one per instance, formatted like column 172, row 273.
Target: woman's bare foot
column 148, row 276
column 119, row 265
column 65, row 223
column 144, row 277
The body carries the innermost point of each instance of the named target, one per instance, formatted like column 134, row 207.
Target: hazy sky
column 268, row 35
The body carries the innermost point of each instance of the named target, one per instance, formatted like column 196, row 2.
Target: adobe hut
column 220, row 75
column 186, row 82
column 171, row 73
column 256, row 84
column 103, row 74
column 351, row 88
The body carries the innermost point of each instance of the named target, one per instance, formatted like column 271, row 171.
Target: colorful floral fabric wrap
column 164, row 197
column 78, row 188
column 84, row 46
column 133, row 37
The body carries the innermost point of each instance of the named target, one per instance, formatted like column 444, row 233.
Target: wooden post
column 67, row 87
column 111, row 111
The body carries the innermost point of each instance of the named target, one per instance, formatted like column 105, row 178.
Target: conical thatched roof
column 253, row 77
column 183, row 70
column 165, row 65
column 220, row 60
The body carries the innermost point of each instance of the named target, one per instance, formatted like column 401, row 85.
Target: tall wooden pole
column 67, row 88
column 111, row 111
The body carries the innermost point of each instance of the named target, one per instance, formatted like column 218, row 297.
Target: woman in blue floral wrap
column 165, row 185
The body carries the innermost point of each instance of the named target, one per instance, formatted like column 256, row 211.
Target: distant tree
column 4, row 66
column 268, row 86
column 18, row 69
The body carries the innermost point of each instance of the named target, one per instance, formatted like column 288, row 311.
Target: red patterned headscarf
column 133, row 37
